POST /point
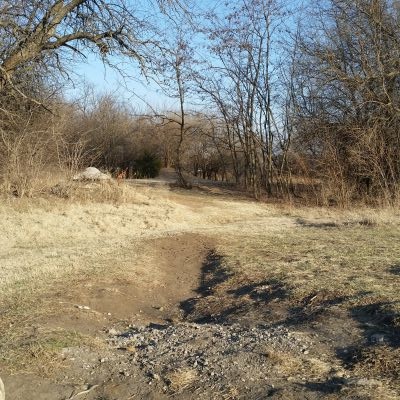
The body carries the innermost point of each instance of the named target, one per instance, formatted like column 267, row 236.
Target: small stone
column 378, row 338
column 156, row 377
column 113, row 332
column 82, row 307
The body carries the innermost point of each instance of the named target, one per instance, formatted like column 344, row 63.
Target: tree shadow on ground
column 363, row 330
column 322, row 225
column 395, row 269
column 330, row 386
column 377, row 354
column 261, row 292
column 373, row 351
column 379, row 318
column 212, row 275
column 215, row 304
column 313, row 307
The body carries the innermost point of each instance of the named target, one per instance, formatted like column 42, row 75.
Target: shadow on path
column 218, row 303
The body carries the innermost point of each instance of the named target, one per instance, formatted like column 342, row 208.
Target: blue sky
column 105, row 80
column 136, row 90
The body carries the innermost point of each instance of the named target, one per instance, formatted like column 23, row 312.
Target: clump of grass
column 381, row 360
column 180, row 379
column 39, row 352
column 284, row 362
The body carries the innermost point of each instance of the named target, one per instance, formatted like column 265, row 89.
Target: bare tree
column 245, row 85
column 172, row 72
column 49, row 32
column 348, row 96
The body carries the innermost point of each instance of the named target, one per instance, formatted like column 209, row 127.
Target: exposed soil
column 92, row 306
column 173, row 265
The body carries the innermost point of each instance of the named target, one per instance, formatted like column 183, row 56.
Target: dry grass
column 311, row 258
column 181, row 379
column 381, row 361
column 316, row 254
column 55, row 242
column 54, row 238
column 286, row 363
column 38, row 351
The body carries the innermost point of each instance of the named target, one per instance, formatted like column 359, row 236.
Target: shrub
column 148, row 166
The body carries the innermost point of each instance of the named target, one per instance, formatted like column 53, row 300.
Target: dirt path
column 171, row 333
column 91, row 307
column 186, row 295
column 172, row 269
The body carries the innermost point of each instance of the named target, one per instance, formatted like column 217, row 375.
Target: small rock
column 378, row 338
column 91, row 174
column 113, row 332
column 82, row 307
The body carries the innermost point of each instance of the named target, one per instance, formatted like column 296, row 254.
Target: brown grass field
column 107, row 255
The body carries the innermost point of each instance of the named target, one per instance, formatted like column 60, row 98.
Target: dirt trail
column 92, row 306
column 183, row 295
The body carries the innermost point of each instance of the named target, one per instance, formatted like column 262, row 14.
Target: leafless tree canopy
column 283, row 100
column 348, row 95
column 48, row 31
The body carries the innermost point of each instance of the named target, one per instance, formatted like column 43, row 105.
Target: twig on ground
column 73, row 396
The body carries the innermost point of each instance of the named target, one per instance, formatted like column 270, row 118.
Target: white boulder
column 91, row 174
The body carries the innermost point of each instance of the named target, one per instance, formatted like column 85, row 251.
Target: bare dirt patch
column 172, row 270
